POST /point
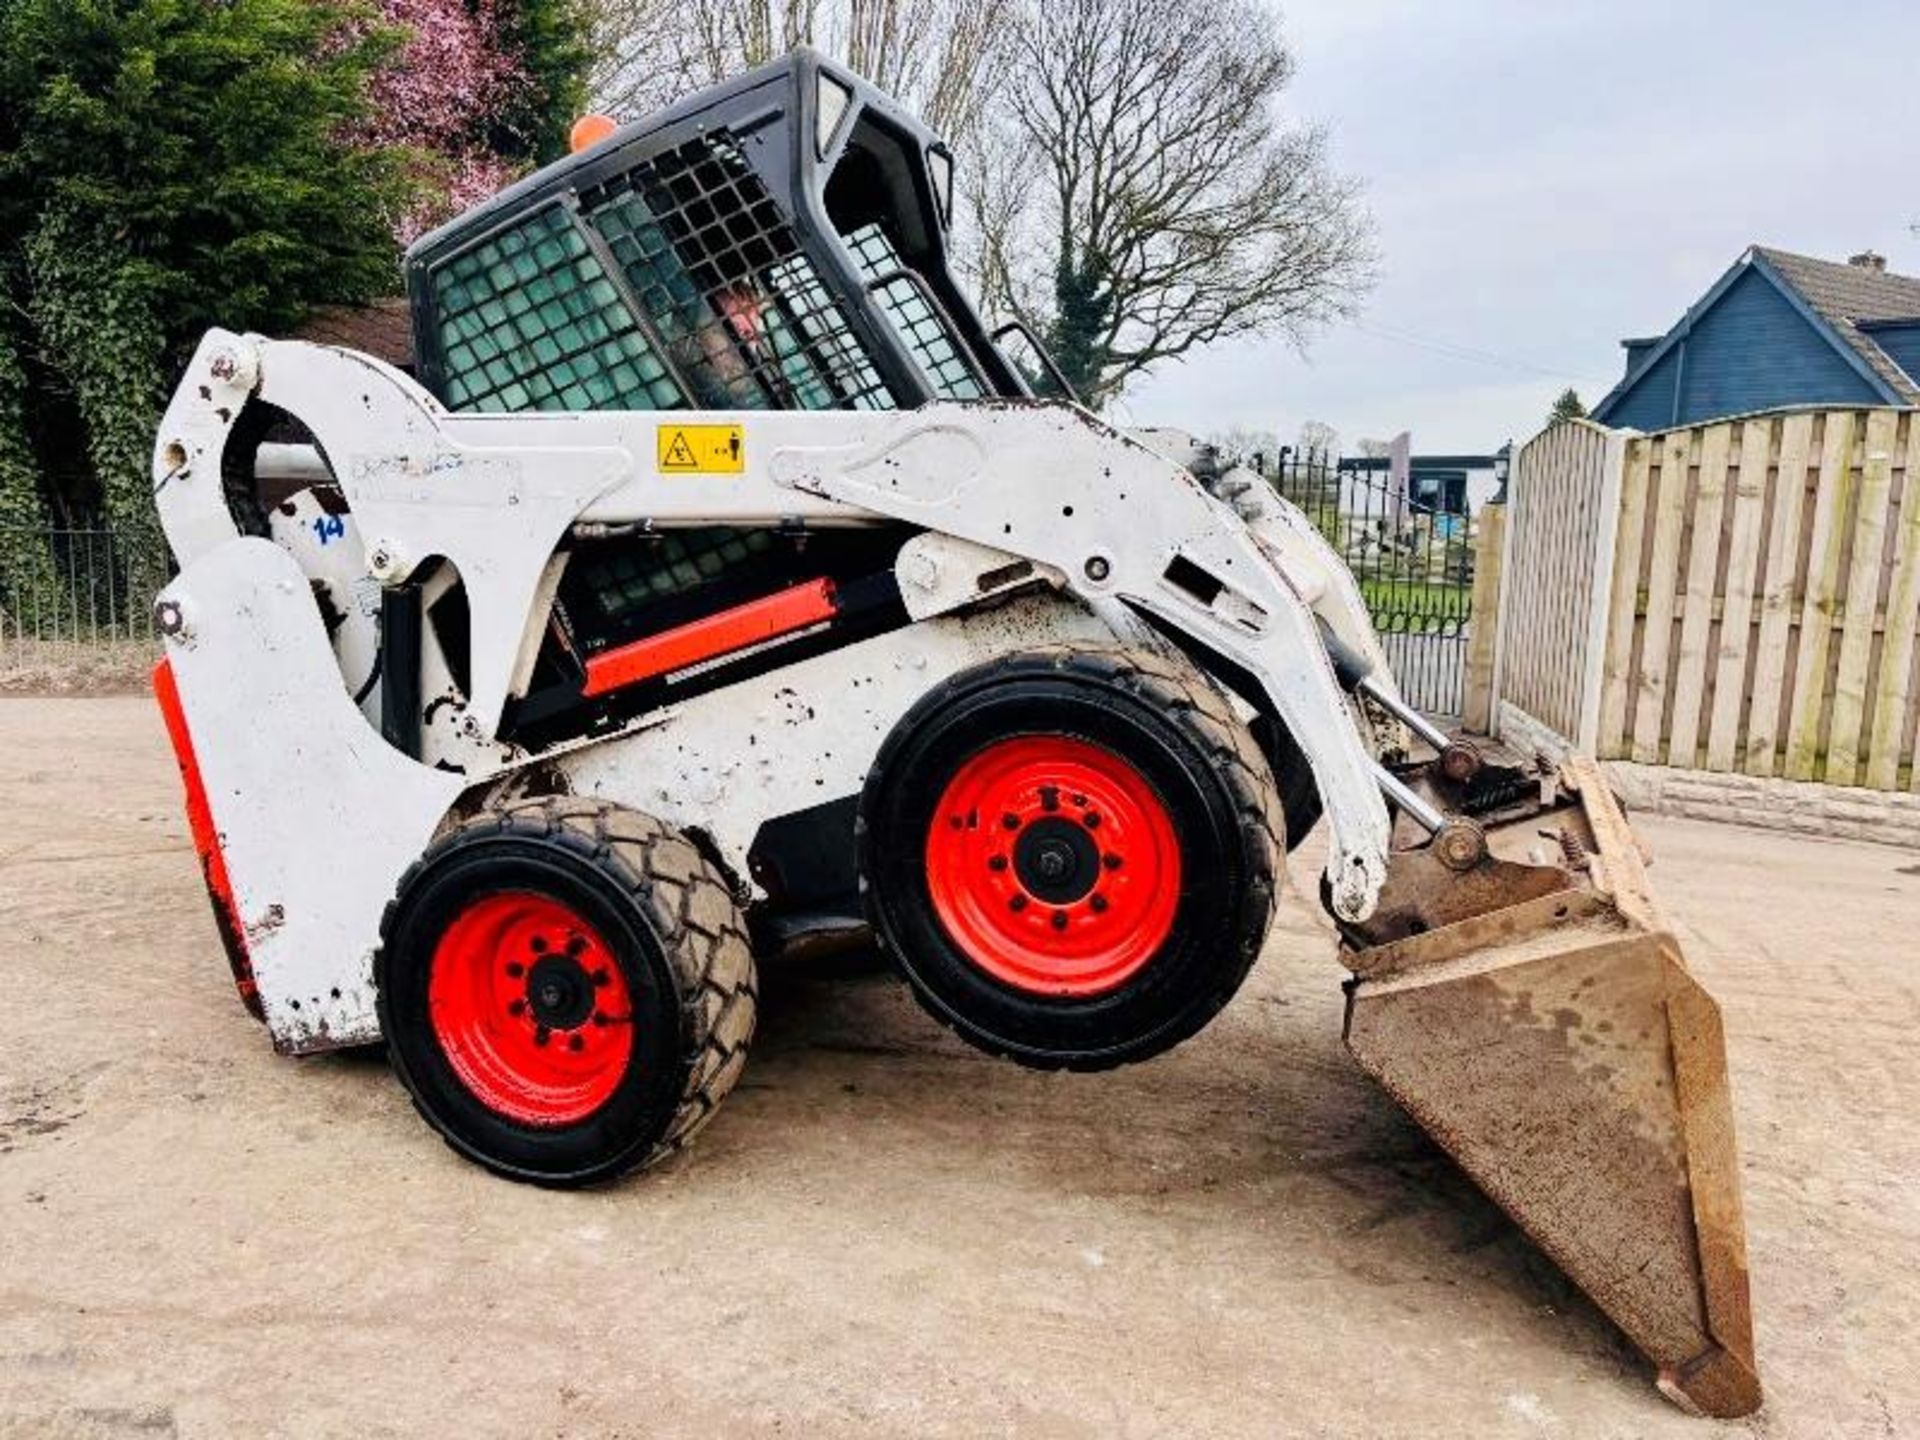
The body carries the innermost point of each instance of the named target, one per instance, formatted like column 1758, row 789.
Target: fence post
column 1516, row 478
column 1606, row 545
column 1489, row 553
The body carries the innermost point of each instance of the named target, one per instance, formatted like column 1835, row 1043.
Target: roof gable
column 1882, row 379
column 1844, row 297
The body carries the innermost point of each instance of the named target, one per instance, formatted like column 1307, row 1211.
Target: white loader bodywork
column 319, row 817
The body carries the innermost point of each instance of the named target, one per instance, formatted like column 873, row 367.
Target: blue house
column 1777, row 329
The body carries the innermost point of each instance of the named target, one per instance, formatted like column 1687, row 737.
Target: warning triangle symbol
column 679, row 453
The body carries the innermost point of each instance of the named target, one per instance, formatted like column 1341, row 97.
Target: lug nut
column 541, row 1035
column 576, row 944
column 539, row 944
column 1010, row 820
column 1099, row 904
column 996, row 862
column 1110, row 860
column 1059, row 919
column 1091, row 819
column 515, row 969
column 600, row 977
column 516, row 1007
column 1017, row 903
column 576, row 1042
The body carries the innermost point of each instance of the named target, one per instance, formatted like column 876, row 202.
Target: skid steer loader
column 720, row 588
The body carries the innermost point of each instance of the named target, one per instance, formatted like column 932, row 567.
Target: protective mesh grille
column 722, row 279
column 528, row 321
column 918, row 323
column 529, row 318
column 622, row 581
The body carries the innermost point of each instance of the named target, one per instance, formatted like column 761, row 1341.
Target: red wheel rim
column 1053, row 865
column 530, row 1009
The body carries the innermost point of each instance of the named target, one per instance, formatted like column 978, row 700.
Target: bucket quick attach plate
column 1559, row 1051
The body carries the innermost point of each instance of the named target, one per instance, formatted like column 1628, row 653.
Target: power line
column 1463, row 352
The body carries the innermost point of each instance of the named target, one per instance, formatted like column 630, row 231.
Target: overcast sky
column 1550, row 176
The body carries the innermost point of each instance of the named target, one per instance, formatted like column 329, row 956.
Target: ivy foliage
column 24, row 562
column 1083, row 313
column 95, row 310
column 166, row 165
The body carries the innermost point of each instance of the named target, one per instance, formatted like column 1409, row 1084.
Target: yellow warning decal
column 702, row 449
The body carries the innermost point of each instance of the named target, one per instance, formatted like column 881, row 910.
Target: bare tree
column 1245, row 440
column 1317, row 437
column 941, row 57
column 637, row 46
column 1142, row 197
column 1249, row 445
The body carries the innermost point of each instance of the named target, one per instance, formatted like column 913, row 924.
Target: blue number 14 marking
column 329, row 528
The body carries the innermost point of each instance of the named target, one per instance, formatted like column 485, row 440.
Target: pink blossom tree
column 443, row 95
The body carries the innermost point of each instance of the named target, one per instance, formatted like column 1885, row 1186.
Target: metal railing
column 1412, row 557
column 73, row 596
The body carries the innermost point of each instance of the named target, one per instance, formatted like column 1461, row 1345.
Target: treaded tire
column 1174, row 729
column 670, row 924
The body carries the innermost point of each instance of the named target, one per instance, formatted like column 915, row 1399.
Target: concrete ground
column 883, row 1233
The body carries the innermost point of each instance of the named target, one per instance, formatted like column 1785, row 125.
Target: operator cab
column 776, row 242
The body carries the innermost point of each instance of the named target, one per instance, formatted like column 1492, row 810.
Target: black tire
column 1171, row 727
column 1299, row 795
column 667, row 920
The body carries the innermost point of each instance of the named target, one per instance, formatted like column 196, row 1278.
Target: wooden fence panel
column 1617, row 682
column 1777, row 595
column 1674, row 457
column 1861, row 617
column 1812, row 677
column 1896, row 706
column 1747, row 498
column 1555, row 521
column 1692, row 661
column 1756, row 597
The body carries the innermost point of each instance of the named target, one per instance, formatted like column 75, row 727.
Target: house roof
column 383, row 329
column 1847, row 297
column 1843, row 303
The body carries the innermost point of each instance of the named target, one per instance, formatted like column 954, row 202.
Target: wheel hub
column 531, row 1009
column 560, row 993
column 1056, row 860
column 1053, row 864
